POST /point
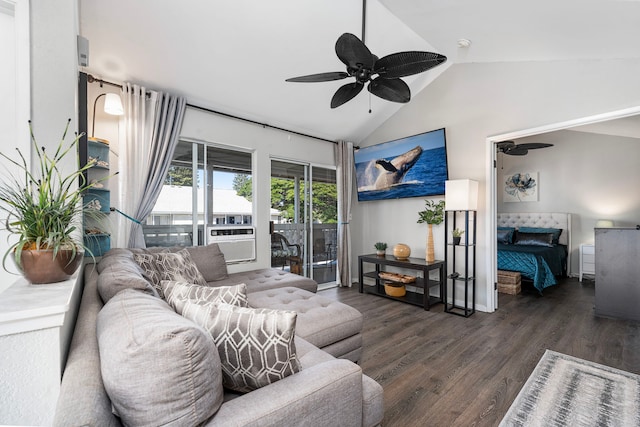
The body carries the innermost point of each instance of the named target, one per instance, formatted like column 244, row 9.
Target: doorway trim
column 491, row 193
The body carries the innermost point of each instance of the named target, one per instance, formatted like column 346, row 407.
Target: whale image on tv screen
column 415, row 166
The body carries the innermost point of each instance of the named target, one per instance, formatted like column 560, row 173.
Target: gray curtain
column 344, row 174
column 164, row 138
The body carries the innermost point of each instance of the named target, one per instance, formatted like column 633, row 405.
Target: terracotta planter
column 39, row 266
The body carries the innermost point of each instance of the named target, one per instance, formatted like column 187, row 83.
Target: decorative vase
column 40, row 267
column 380, row 252
column 401, row 251
column 394, row 290
column 431, row 254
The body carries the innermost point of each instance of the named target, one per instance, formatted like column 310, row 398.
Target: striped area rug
column 567, row 391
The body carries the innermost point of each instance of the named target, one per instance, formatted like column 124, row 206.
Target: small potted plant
column 43, row 210
column 457, row 234
column 381, row 247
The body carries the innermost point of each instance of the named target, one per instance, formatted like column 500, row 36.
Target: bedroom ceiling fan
column 381, row 74
column 513, row 149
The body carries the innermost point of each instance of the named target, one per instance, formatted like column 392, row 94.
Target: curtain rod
column 92, row 79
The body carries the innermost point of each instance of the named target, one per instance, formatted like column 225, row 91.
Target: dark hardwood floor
column 438, row 369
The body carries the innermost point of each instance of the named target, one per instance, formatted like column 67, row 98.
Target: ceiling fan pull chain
column 369, row 102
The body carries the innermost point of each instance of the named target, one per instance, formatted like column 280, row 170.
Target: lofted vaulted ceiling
column 233, row 56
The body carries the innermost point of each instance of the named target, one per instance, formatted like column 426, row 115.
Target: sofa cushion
column 256, row 346
column 119, row 271
column 210, row 261
column 158, row 368
column 267, row 278
column 177, row 293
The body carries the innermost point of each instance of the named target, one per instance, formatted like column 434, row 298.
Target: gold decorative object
column 401, row 251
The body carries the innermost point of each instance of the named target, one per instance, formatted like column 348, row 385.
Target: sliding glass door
column 304, row 220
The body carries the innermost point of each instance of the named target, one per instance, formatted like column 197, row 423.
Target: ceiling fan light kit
column 382, row 75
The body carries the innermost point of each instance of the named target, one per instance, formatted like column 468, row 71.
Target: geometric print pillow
column 256, row 346
column 177, row 293
column 148, row 265
column 177, row 266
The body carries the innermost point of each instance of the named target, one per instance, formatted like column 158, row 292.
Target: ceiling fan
column 513, row 149
column 381, row 74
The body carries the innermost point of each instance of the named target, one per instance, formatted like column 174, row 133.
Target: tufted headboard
column 538, row 219
column 547, row 220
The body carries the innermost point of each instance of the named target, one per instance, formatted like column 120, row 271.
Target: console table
column 424, row 282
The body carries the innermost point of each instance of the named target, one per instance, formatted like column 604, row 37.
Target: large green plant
column 43, row 206
column 433, row 213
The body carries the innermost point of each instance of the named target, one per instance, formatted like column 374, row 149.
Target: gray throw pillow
column 158, row 368
column 175, row 266
column 178, row 266
column 147, row 263
column 210, row 261
column 177, row 293
column 256, row 346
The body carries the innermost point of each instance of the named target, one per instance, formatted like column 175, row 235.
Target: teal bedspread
column 533, row 263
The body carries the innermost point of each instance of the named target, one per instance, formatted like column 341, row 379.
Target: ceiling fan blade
column 353, row 53
column 534, row 145
column 516, row 151
column 346, row 93
column 321, row 77
column 394, row 90
column 404, row 64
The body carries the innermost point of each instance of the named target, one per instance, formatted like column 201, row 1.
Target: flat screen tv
column 415, row 166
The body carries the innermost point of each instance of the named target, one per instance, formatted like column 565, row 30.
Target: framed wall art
column 521, row 187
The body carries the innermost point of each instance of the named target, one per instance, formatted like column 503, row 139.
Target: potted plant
column 433, row 214
column 381, row 247
column 457, row 234
column 44, row 209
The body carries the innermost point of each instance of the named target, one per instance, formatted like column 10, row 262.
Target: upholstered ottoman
column 329, row 325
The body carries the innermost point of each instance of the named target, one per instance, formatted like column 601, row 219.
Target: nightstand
column 587, row 259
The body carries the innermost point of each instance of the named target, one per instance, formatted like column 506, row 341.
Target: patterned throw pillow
column 177, row 293
column 256, row 346
column 148, row 264
column 176, row 266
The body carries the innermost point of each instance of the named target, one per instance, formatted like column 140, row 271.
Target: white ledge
column 25, row 307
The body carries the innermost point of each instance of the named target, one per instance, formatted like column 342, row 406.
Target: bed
column 538, row 248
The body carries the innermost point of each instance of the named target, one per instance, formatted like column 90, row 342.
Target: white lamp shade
column 113, row 104
column 604, row 223
column 461, row 195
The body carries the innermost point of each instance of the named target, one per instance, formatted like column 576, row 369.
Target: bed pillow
column 534, row 239
column 505, row 235
column 256, row 346
column 158, row 368
column 555, row 231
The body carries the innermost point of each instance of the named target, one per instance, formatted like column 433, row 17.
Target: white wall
column 473, row 102
column 53, row 101
column 592, row 176
column 265, row 143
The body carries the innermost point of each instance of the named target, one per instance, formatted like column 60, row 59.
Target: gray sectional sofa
column 156, row 355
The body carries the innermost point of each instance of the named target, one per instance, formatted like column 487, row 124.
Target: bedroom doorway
column 493, row 185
